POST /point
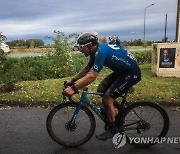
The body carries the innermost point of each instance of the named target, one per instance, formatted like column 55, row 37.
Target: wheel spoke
column 60, row 129
column 155, row 121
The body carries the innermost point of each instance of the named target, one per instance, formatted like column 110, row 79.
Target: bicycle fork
column 73, row 119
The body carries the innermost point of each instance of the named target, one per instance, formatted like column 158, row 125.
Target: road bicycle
column 72, row 124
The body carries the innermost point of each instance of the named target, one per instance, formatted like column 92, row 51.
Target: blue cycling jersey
column 113, row 57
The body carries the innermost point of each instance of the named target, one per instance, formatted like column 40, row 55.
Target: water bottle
column 102, row 110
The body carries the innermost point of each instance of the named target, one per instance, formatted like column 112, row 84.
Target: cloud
column 31, row 18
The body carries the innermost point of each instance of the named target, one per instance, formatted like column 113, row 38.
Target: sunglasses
column 79, row 47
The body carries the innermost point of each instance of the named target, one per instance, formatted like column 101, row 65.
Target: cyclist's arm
column 88, row 79
column 95, row 65
column 84, row 70
column 82, row 73
column 92, row 75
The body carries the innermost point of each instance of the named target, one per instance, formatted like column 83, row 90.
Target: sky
column 25, row 19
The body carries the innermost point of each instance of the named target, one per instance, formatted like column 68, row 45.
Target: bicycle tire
column 129, row 113
column 59, row 130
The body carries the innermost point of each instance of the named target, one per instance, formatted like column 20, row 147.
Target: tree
column 33, row 43
column 165, row 39
column 102, row 39
column 17, row 43
column 26, row 43
column 62, row 57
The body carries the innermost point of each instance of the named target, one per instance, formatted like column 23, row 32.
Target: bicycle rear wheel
column 144, row 123
column 60, row 130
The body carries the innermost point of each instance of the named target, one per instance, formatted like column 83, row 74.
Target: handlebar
column 64, row 87
column 76, row 92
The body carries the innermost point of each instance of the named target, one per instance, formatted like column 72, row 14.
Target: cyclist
column 114, row 40
column 126, row 73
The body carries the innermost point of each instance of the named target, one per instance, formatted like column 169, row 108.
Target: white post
column 145, row 24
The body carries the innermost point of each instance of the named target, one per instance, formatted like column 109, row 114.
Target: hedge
column 43, row 67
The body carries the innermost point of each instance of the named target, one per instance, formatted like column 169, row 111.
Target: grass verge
column 46, row 92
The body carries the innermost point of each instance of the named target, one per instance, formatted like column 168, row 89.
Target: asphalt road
column 23, row 130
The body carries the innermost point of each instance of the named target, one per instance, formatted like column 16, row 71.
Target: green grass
column 159, row 89
column 44, row 92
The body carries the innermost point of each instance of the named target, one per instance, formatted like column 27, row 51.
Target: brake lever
column 64, row 94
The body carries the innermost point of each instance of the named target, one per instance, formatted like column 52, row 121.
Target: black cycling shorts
column 116, row 84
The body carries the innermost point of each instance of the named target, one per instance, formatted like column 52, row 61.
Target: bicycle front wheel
column 144, row 123
column 60, row 130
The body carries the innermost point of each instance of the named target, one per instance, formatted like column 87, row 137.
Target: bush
column 50, row 66
column 13, row 70
column 54, row 65
column 79, row 61
column 37, row 68
column 143, row 56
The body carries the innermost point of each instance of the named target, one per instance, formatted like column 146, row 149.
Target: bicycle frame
column 85, row 100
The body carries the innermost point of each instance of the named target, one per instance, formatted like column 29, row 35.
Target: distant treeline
column 30, row 43
column 139, row 42
column 136, row 42
column 33, row 43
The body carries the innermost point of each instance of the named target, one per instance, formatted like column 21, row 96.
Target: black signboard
column 167, row 57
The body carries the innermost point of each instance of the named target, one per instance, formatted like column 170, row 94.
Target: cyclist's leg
column 124, row 82
column 103, row 87
column 106, row 82
column 110, row 114
column 117, row 88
